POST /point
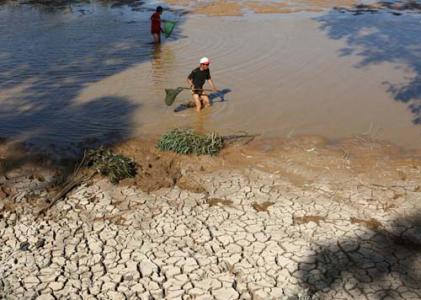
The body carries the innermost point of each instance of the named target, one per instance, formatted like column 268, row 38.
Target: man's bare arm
column 190, row 82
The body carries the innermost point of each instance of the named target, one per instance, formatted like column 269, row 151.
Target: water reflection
column 201, row 119
column 214, row 98
column 163, row 59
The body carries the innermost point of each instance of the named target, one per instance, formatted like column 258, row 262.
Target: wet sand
column 237, row 8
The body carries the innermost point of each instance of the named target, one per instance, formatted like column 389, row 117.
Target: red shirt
column 156, row 23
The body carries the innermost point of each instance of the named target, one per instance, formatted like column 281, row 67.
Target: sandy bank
column 236, row 8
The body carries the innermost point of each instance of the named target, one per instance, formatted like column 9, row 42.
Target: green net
column 168, row 28
column 171, row 94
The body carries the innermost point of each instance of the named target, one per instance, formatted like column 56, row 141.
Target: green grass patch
column 115, row 166
column 187, row 141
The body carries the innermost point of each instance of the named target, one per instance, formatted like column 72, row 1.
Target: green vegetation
column 187, row 141
column 115, row 166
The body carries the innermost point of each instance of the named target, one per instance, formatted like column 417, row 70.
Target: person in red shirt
column 156, row 25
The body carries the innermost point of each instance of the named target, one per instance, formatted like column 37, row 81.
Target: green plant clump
column 187, row 141
column 115, row 166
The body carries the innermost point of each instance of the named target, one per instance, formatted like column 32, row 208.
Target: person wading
column 156, row 25
column 197, row 79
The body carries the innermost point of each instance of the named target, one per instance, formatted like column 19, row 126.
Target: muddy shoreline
column 233, row 8
column 301, row 214
column 42, row 174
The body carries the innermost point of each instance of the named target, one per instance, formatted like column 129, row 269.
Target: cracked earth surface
column 246, row 233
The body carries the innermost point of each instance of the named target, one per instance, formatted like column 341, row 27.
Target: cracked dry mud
column 242, row 232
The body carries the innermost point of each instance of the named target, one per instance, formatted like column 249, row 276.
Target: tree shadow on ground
column 383, row 33
column 379, row 263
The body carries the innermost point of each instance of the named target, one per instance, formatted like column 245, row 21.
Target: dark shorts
column 198, row 92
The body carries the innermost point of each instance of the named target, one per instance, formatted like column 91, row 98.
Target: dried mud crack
column 223, row 229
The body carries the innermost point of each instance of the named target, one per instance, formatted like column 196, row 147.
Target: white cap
column 204, row 60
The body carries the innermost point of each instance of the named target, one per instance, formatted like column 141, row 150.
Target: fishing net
column 171, row 94
column 168, row 28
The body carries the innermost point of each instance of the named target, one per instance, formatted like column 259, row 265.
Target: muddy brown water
column 89, row 72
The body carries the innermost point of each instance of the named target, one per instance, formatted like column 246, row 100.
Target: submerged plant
column 115, row 166
column 187, row 141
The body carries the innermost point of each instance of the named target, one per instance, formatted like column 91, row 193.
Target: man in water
column 197, row 79
column 156, row 25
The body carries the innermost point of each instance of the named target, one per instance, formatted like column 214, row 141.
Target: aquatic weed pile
column 115, row 166
column 187, row 141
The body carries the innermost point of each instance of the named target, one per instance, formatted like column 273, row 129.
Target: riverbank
column 280, row 218
column 264, row 219
column 239, row 8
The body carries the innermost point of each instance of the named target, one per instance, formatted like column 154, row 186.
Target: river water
column 89, row 72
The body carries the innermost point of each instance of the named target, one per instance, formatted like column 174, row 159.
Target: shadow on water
column 386, row 33
column 383, row 262
column 83, row 126
column 47, row 59
column 213, row 98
